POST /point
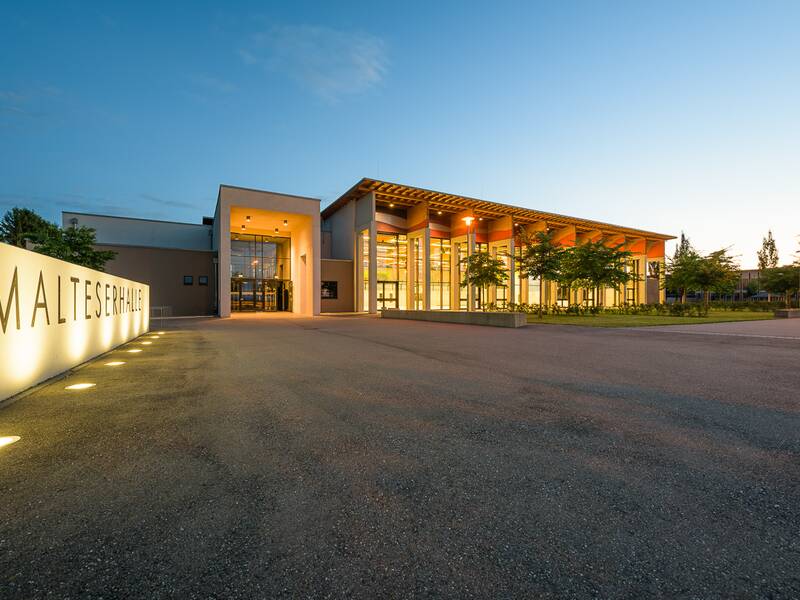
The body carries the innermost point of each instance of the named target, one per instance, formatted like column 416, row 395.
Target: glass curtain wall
column 440, row 274
column 419, row 275
column 501, row 291
column 632, row 287
column 260, row 271
column 365, row 269
column 392, row 270
column 463, row 292
column 482, row 297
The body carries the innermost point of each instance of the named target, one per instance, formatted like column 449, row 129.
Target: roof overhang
column 404, row 195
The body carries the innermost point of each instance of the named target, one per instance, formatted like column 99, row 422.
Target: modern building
column 380, row 245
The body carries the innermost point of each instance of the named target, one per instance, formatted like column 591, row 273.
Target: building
column 380, row 245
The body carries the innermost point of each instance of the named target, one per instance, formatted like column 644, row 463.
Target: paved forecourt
column 272, row 456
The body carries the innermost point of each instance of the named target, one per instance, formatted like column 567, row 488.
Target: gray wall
column 163, row 270
column 143, row 232
column 341, row 224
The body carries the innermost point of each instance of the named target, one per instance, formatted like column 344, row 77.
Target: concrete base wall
column 788, row 313
column 492, row 319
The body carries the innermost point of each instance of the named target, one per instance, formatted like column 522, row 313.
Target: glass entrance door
column 260, row 294
column 387, row 294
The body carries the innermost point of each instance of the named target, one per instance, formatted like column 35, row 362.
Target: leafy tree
column 540, row 259
column 717, row 272
column 768, row 255
column 21, row 225
column 682, row 269
column 595, row 265
column 782, row 280
column 75, row 245
column 483, row 270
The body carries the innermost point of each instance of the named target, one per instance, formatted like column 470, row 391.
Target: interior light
column 247, row 218
column 439, row 212
column 155, row 337
column 115, row 363
column 480, row 218
column 285, row 222
column 277, row 230
column 80, row 386
column 8, row 439
column 468, row 220
column 243, row 227
column 134, row 350
column 391, row 204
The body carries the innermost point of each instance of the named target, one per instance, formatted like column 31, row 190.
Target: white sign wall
column 55, row 315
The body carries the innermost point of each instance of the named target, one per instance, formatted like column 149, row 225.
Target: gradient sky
column 666, row 116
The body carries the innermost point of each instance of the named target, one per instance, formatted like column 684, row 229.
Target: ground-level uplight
column 8, row 439
column 80, row 386
column 155, row 337
column 146, row 343
column 132, row 350
column 115, row 363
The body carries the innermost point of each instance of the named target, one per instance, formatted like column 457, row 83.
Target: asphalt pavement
column 264, row 457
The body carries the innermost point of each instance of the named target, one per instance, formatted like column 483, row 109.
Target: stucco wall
column 143, row 232
column 340, row 271
column 55, row 315
column 163, row 270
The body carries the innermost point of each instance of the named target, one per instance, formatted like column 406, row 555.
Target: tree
column 595, row 265
column 717, row 272
column 768, row 255
column 540, row 259
column 682, row 269
column 75, row 245
column 22, row 225
column 782, row 280
column 483, row 270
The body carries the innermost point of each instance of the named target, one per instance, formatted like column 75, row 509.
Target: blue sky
column 665, row 116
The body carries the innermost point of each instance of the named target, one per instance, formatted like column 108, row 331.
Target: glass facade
column 632, row 287
column 260, row 272
column 501, row 291
column 418, row 299
column 463, row 292
column 440, row 274
column 392, row 257
column 365, row 268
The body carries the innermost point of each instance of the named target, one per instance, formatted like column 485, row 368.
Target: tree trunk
column 683, row 295
column 706, row 297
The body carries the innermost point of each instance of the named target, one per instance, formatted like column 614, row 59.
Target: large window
column 632, row 287
column 501, row 291
column 562, row 298
column 365, row 269
column 463, row 291
column 260, row 271
column 392, row 270
column 440, row 274
column 419, row 275
column 482, row 295
column 534, row 291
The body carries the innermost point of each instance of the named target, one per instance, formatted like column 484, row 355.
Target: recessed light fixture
column 8, row 439
column 391, row 204
column 277, row 230
column 115, row 363
column 134, row 350
column 480, row 218
column 247, row 218
column 286, row 222
column 80, row 386
column 438, row 212
column 243, row 227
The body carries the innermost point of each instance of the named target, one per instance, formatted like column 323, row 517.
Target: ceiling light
column 391, row 204
column 115, row 363
column 79, row 386
column 243, row 227
column 480, row 219
column 8, row 439
column 160, row 332
column 247, row 218
column 439, row 212
column 277, row 230
column 468, row 220
column 285, row 222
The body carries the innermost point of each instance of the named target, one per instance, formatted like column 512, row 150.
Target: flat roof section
column 405, row 195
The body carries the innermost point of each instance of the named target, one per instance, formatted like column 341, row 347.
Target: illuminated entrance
column 260, row 273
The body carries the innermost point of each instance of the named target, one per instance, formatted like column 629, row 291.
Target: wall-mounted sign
column 55, row 315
